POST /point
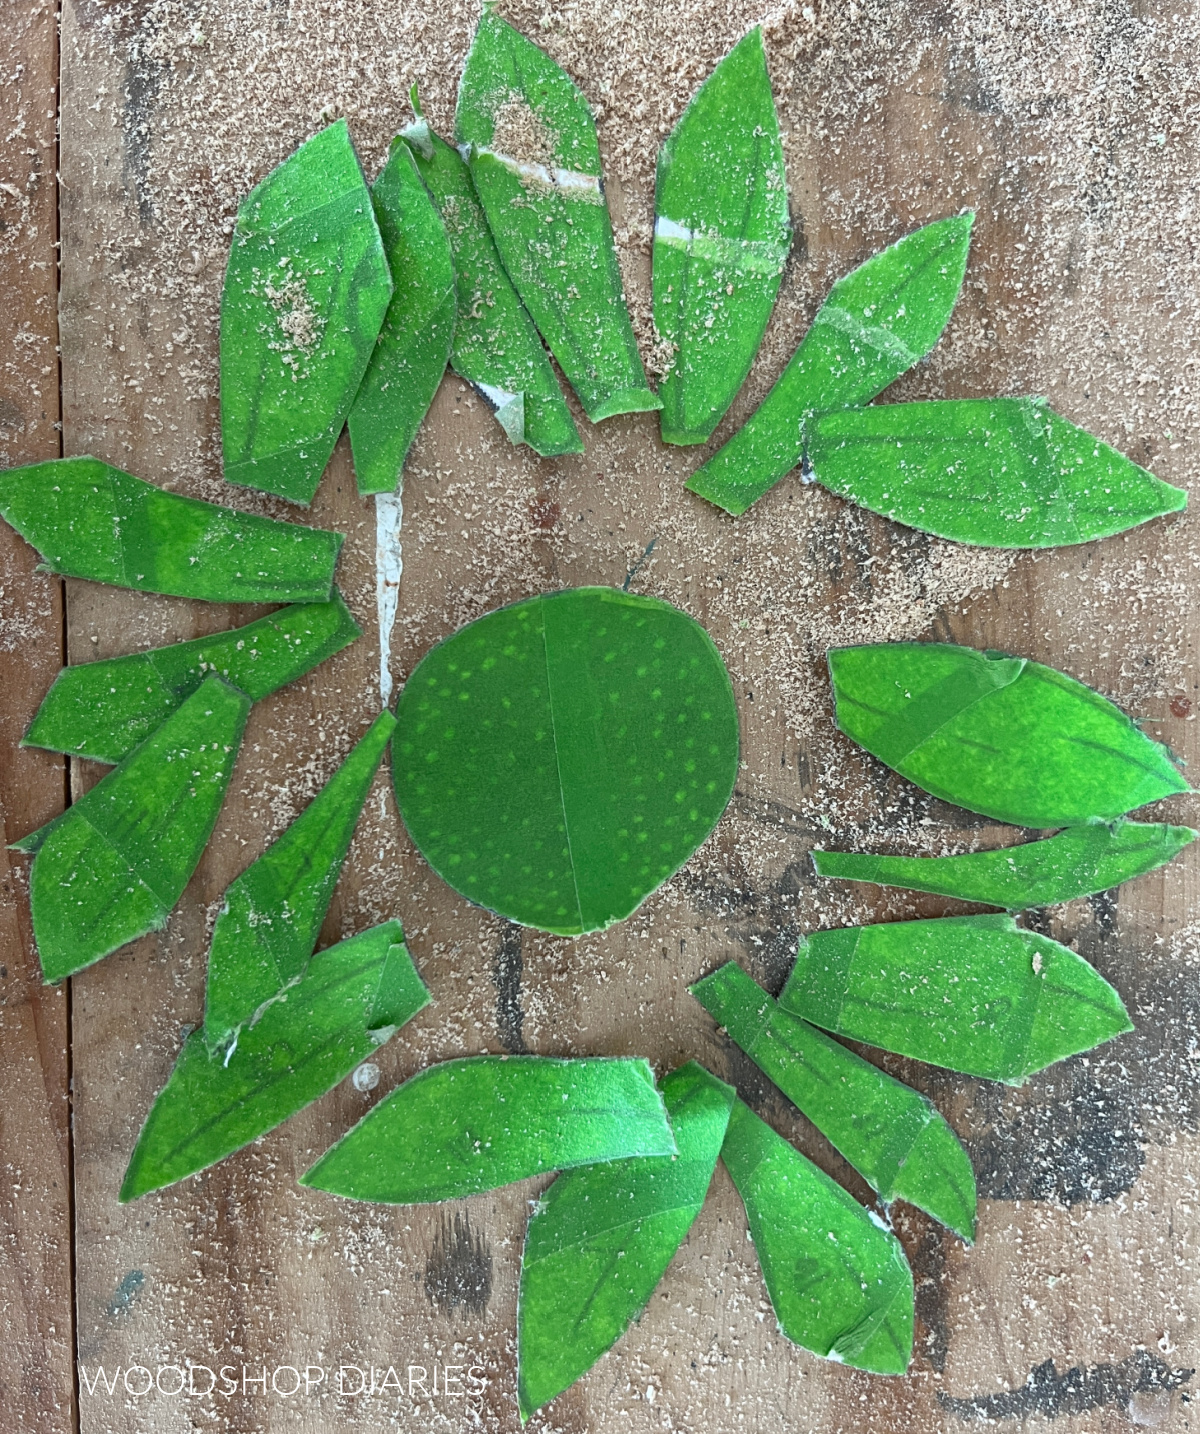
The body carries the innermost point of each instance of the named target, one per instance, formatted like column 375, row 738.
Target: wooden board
column 37, row 1381
column 1072, row 135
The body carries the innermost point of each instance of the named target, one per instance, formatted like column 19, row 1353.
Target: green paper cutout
column 892, row 1135
column 973, row 993
column 102, row 710
column 305, row 1043
column 838, row 1281
column 877, row 322
column 557, row 760
column 602, row 1237
column 1001, row 736
column 306, row 291
column 89, row 520
column 999, row 472
column 475, row 1124
column 547, row 212
column 1077, row 862
column 113, row 865
column 414, row 343
column 721, row 237
column 273, row 912
column 496, row 346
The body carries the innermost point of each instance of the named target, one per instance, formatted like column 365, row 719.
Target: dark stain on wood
column 506, row 976
column 458, row 1272
column 1078, row 1390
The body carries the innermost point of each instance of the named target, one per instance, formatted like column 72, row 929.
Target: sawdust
column 1083, row 285
column 523, row 135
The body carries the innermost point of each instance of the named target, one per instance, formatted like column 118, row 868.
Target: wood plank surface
column 37, row 1387
column 1073, row 135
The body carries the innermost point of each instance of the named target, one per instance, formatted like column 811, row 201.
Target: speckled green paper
column 999, row 472
column 102, row 710
column 602, row 1237
column 549, row 217
column 496, row 346
column 475, row 1124
column 838, row 1281
column 876, row 323
column 306, row 290
column 1077, row 862
column 114, row 864
column 273, row 912
column 414, row 343
column 557, row 760
column 89, row 520
column 892, row 1136
column 999, row 735
column 351, row 998
column 721, row 238
column 974, row 993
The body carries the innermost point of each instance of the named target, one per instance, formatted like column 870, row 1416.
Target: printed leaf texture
column 557, row 760
column 102, row 710
column 536, row 166
column 273, row 912
column 999, row 735
column 91, row 521
column 876, row 323
column 496, row 346
column 892, row 1135
column 973, row 993
column 721, row 237
column 602, row 1237
column 414, row 343
column 1077, row 862
column 838, row 1281
column 474, row 1124
column 306, row 291
column 113, row 865
column 351, row 998
column 999, row 472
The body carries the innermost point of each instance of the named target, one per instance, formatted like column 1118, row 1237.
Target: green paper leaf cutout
column 304, row 1044
column 484, row 1121
column 602, row 1237
column 306, row 291
column 496, row 346
column 89, row 520
column 973, row 993
column 272, row 915
column 877, row 322
column 113, row 865
column 892, row 1135
column 838, row 1280
column 1001, row 736
column 414, row 343
column 999, row 472
column 102, row 710
column 557, row 760
column 721, row 237
column 1077, row 862
column 535, row 161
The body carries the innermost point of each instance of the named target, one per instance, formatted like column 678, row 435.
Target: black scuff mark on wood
column 506, row 977
column 142, row 81
column 458, row 1272
column 1076, row 1391
column 125, row 1294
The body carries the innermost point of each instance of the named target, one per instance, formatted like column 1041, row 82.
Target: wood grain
column 1081, row 286
column 37, row 1388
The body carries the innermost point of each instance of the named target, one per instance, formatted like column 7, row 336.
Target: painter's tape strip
column 588, row 188
column 753, row 256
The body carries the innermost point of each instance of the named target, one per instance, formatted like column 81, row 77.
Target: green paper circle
column 557, row 760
